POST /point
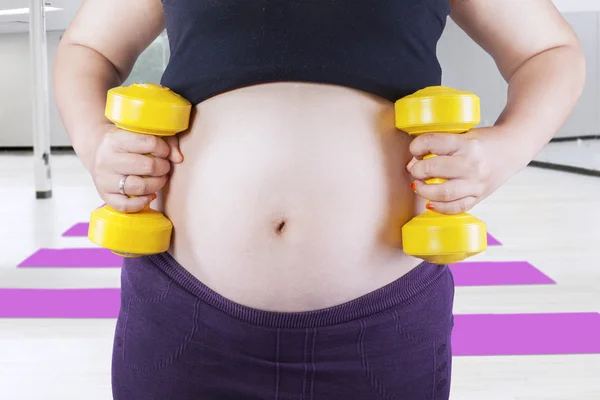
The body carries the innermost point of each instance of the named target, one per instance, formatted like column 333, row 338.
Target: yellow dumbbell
column 431, row 236
column 152, row 110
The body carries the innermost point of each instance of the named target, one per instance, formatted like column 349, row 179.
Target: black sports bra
column 384, row 47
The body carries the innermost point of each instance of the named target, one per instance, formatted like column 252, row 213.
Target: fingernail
column 413, row 186
column 154, row 196
column 430, row 207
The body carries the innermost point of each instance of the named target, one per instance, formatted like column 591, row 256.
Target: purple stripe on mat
column 77, row 230
column 492, row 241
column 498, row 274
column 526, row 334
column 73, row 258
column 81, row 229
column 59, row 303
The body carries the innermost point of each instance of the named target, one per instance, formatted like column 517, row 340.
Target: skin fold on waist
column 292, row 196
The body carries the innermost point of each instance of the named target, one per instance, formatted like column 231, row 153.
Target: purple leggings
column 177, row 339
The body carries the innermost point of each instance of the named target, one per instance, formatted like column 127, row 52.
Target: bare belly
column 292, row 196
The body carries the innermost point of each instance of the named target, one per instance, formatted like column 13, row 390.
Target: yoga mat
column 59, row 303
column 526, row 334
column 473, row 335
column 465, row 274
column 81, row 230
column 77, row 230
column 498, row 274
column 492, row 241
column 72, row 258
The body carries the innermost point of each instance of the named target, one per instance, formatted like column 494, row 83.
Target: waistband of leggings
column 416, row 283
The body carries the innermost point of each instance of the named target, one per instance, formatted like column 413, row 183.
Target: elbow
column 567, row 62
column 575, row 61
column 579, row 67
column 71, row 53
column 573, row 64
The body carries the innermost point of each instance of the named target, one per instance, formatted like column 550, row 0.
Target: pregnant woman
column 286, row 277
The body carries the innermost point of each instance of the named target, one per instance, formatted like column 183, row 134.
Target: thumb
column 175, row 154
column 409, row 166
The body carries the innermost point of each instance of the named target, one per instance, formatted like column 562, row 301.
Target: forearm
column 82, row 78
column 542, row 94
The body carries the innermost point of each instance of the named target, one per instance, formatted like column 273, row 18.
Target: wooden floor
column 550, row 219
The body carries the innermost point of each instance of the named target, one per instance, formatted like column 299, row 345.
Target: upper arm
column 118, row 30
column 513, row 31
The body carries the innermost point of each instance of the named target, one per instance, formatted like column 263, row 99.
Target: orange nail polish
column 429, row 206
column 413, row 186
column 154, row 196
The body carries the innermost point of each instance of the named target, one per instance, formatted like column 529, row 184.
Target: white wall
column 577, row 5
column 16, row 128
column 465, row 66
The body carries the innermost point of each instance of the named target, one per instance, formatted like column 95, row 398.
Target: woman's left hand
column 475, row 164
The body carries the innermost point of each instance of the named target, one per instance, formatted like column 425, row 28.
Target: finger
column 126, row 204
column 138, row 164
column 410, row 164
column 449, row 191
column 175, row 154
column 130, row 142
column 454, row 207
column 447, row 167
column 435, row 143
column 134, row 185
column 138, row 186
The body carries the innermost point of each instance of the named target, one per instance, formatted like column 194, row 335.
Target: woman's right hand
column 121, row 153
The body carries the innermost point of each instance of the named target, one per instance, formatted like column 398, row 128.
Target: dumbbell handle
column 147, row 109
column 437, row 181
column 433, row 181
column 437, row 109
column 124, row 128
